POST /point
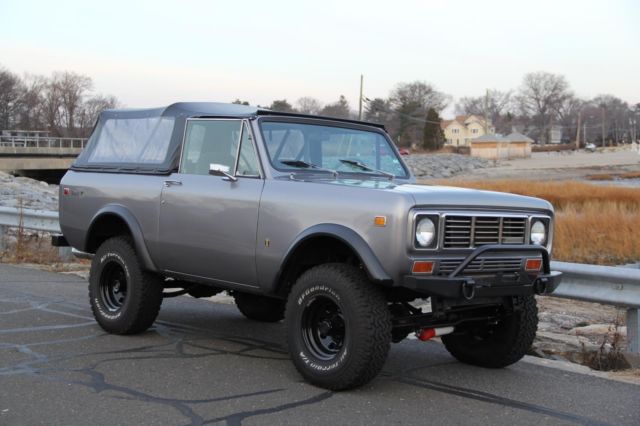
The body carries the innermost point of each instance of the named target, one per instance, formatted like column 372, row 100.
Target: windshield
column 344, row 150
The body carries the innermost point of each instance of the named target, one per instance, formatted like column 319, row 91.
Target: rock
column 598, row 330
column 28, row 193
column 428, row 166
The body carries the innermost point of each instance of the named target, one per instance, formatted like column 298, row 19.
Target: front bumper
column 457, row 285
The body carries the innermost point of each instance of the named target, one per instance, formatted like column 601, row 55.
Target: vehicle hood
column 448, row 196
column 435, row 195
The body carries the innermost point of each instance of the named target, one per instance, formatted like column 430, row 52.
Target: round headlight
column 538, row 233
column 425, row 232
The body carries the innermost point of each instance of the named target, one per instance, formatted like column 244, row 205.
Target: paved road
column 203, row 363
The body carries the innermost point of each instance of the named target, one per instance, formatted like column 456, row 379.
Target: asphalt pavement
column 204, row 363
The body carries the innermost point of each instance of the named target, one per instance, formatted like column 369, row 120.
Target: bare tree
column 614, row 117
column 51, row 106
column 495, row 105
column 91, row 109
column 72, row 89
column 540, row 97
column 338, row 109
column 30, row 115
column 10, row 91
column 308, row 105
column 410, row 102
column 567, row 116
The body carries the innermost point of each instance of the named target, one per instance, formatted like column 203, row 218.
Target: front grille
column 473, row 231
column 483, row 265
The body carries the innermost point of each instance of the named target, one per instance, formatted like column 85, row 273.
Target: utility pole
column 603, row 126
column 578, row 131
column 360, row 108
column 584, row 133
column 486, row 112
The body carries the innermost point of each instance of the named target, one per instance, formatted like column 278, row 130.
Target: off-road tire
column 138, row 308
column 260, row 308
column 366, row 324
column 499, row 345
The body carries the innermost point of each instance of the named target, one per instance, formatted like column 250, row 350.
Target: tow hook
column 468, row 290
column 429, row 333
column 540, row 286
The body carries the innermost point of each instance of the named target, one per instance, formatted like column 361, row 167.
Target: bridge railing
column 42, row 142
column 593, row 283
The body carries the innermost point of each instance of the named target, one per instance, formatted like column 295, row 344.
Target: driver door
column 208, row 223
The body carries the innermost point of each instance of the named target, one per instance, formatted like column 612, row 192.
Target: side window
column 210, row 142
column 248, row 161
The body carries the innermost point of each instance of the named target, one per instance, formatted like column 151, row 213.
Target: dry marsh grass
column 594, row 223
column 614, row 176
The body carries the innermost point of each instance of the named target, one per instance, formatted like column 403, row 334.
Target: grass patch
column 614, row 176
column 594, row 223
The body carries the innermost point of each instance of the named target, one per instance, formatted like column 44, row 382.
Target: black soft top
column 148, row 140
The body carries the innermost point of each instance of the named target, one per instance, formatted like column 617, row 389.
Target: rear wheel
column 124, row 298
column 338, row 327
column 260, row 308
column 498, row 345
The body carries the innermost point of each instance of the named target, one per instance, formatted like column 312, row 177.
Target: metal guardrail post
column 3, row 237
column 633, row 330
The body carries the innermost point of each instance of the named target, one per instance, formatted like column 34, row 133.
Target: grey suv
column 313, row 220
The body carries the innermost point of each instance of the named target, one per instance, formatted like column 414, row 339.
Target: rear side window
column 132, row 140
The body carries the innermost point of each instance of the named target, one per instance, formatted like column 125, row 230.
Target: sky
column 152, row 53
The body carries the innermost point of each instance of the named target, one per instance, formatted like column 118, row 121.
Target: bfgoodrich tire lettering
column 338, row 327
column 499, row 345
column 124, row 298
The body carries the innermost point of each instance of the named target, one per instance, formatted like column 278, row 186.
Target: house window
column 474, row 130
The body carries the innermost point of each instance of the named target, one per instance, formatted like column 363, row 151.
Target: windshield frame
column 327, row 122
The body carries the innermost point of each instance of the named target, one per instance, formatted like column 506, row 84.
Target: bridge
column 37, row 155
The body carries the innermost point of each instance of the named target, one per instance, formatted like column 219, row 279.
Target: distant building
column 498, row 147
column 462, row 129
column 555, row 134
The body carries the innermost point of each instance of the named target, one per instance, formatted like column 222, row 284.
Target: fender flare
column 349, row 237
column 133, row 225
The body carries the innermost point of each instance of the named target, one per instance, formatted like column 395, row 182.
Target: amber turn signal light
column 533, row 265
column 380, row 221
column 422, row 267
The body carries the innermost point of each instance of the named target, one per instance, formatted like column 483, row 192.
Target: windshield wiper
column 360, row 165
column 305, row 165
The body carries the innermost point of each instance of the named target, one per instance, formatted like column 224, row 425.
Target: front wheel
column 499, row 345
column 125, row 299
column 338, row 327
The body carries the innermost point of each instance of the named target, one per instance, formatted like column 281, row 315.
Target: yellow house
column 462, row 129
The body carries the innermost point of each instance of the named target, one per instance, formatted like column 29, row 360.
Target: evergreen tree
column 433, row 136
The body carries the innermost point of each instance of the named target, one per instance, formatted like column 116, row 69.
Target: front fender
column 348, row 236
column 134, row 227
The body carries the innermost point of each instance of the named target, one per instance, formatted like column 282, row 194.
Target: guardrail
column 592, row 283
column 42, row 142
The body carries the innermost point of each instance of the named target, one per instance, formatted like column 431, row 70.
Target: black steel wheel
column 338, row 326
column 113, row 286
column 125, row 299
column 323, row 328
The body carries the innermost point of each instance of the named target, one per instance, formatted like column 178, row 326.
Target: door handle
column 168, row 183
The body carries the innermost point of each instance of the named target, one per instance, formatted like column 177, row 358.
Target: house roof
column 497, row 137
column 491, row 137
column 519, row 137
column 463, row 120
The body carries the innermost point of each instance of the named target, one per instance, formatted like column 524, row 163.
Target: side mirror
column 221, row 170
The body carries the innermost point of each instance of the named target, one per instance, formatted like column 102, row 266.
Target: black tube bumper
column 459, row 286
